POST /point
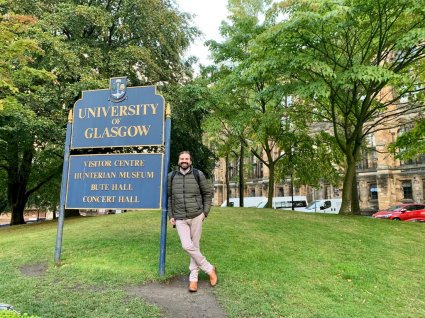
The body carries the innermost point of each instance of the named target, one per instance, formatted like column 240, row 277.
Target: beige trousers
column 190, row 231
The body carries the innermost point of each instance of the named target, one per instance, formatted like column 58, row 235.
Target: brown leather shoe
column 193, row 287
column 213, row 277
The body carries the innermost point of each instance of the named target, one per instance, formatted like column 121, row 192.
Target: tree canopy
column 256, row 104
column 52, row 50
column 351, row 61
column 411, row 144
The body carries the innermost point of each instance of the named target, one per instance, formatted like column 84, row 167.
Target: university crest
column 118, row 89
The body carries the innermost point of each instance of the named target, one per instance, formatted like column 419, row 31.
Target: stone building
column 382, row 180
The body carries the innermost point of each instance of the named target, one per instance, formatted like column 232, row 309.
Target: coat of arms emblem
column 118, row 88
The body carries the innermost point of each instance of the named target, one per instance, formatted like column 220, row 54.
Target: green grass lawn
column 271, row 264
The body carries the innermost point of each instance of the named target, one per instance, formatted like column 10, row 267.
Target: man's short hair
column 185, row 152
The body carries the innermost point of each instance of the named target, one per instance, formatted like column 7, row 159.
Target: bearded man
column 189, row 202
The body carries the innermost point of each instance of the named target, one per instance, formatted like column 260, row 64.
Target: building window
column 407, row 189
column 260, row 170
column 373, row 191
column 369, row 155
column 328, row 192
column 401, row 130
column 423, row 190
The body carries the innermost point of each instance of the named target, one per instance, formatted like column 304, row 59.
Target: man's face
column 185, row 161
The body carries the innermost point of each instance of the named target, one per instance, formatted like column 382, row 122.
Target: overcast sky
column 209, row 14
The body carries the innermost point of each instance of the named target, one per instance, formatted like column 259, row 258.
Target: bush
column 14, row 314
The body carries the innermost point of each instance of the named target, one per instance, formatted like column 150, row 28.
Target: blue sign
column 119, row 117
column 114, row 181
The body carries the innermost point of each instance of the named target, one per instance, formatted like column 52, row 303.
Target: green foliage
column 31, row 119
column 51, row 51
column 188, row 113
column 338, row 56
column 310, row 159
column 12, row 314
column 140, row 39
column 410, row 144
column 246, row 106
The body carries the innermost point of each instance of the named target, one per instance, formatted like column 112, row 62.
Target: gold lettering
column 145, row 131
column 113, row 132
column 115, row 111
column 99, row 199
column 129, row 199
column 122, row 187
column 80, row 113
column 99, row 187
column 154, row 107
column 99, row 175
column 92, row 112
column 97, row 163
column 136, row 175
column 123, row 111
column 132, row 110
column 88, row 133
column 129, row 163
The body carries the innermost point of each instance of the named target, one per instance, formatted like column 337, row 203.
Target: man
column 189, row 202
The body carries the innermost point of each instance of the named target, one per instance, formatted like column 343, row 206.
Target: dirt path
column 177, row 302
column 171, row 296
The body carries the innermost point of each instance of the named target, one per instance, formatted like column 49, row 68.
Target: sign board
column 114, row 181
column 118, row 117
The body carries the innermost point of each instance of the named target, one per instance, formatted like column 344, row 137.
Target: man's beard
column 184, row 168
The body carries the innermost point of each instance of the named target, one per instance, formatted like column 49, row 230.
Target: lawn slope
column 271, row 264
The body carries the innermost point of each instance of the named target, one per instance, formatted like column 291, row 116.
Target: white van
column 300, row 202
column 331, row 206
column 248, row 202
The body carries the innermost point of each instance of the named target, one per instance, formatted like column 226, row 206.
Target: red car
column 404, row 212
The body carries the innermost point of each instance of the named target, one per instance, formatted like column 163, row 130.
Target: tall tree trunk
column 271, row 185
column 227, row 177
column 347, row 191
column 241, row 179
column 355, row 204
column 18, row 212
column 18, row 176
column 292, row 191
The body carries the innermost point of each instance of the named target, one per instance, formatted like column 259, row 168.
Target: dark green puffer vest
column 187, row 199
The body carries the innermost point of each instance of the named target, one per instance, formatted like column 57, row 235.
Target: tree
column 310, row 158
column 64, row 48
column 188, row 114
column 141, row 39
column 254, row 103
column 352, row 60
column 224, row 138
column 23, row 125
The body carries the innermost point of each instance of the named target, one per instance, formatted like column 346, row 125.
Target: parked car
column 7, row 307
column 403, row 212
column 331, row 206
column 248, row 202
column 285, row 203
